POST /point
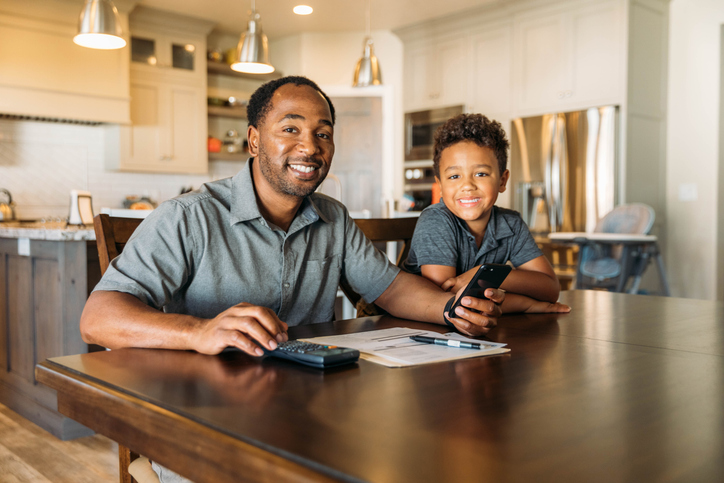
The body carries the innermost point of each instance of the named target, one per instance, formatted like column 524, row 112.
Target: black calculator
column 314, row 355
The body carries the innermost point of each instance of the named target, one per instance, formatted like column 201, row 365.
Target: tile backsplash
column 40, row 162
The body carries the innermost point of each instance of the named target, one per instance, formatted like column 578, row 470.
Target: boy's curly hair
column 471, row 127
column 260, row 102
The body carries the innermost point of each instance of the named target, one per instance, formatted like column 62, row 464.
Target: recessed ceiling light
column 303, row 10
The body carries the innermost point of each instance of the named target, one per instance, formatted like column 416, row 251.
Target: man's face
column 294, row 142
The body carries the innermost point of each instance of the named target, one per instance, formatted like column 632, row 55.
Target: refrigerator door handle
column 548, row 140
column 560, row 174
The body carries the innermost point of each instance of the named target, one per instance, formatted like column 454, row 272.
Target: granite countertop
column 51, row 231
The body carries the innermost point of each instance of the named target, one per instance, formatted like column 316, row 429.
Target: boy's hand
column 455, row 284
column 478, row 323
column 538, row 307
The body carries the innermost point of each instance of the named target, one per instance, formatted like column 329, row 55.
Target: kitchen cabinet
column 491, row 72
column 168, row 127
column 568, row 58
column 154, row 52
column 43, row 287
column 435, row 75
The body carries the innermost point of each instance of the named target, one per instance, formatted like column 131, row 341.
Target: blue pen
column 447, row 342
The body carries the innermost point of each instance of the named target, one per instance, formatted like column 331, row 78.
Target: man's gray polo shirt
column 441, row 238
column 208, row 250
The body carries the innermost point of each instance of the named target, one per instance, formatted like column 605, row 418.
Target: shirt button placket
column 287, row 276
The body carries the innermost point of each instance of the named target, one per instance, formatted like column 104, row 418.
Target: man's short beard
column 281, row 183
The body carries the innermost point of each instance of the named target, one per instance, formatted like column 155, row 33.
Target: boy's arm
column 535, row 279
column 520, row 303
column 439, row 274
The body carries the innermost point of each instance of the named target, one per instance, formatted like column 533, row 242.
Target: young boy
column 453, row 238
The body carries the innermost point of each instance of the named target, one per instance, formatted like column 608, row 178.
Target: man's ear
column 504, row 181
column 252, row 137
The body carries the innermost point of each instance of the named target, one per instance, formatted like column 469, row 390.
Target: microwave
column 420, row 127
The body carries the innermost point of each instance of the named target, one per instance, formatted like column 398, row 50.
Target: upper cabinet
column 168, row 127
column 436, row 75
column 569, row 58
column 155, row 52
column 516, row 60
column 490, row 72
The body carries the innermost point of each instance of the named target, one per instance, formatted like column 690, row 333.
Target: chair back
column 632, row 219
column 112, row 234
column 389, row 230
column 381, row 230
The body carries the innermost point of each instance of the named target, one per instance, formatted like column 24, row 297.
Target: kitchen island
column 46, row 273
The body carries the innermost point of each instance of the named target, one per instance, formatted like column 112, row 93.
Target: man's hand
column 239, row 326
column 473, row 323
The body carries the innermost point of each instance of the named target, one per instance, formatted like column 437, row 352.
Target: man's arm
column 413, row 297
column 116, row 320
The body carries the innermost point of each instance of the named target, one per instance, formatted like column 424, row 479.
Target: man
column 235, row 262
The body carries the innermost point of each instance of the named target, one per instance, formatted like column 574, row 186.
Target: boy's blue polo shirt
column 208, row 250
column 441, row 238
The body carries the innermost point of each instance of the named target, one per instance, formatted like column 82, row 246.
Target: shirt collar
column 243, row 196
column 497, row 229
column 245, row 208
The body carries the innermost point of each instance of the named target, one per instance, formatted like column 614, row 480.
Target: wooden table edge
column 178, row 443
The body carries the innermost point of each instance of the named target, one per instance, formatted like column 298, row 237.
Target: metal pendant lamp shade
column 367, row 72
column 252, row 53
column 99, row 26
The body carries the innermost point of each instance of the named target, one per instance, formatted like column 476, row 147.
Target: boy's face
column 470, row 180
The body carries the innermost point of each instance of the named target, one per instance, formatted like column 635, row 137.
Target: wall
column 41, row 162
column 694, row 151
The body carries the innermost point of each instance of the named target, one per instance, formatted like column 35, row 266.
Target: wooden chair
column 112, row 234
column 381, row 230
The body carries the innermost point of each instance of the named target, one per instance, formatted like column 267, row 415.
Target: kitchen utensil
column 232, row 141
column 214, row 145
column 81, row 208
column 7, row 208
column 135, row 202
column 216, row 101
column 236, row 102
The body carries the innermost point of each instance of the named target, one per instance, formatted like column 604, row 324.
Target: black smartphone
column 489, row 275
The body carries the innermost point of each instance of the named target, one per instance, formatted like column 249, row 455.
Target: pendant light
column 367, row 72
column 252, row 53
column 99, row 26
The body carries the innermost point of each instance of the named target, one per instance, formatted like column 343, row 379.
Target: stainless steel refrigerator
column 563, row 168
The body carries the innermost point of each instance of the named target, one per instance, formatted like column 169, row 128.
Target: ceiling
column 278, row 20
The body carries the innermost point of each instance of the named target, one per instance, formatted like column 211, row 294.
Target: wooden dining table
column 623, row 388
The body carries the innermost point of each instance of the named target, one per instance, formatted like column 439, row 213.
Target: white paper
column 393, row 347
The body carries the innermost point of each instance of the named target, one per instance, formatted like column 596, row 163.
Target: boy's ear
column 504, row 181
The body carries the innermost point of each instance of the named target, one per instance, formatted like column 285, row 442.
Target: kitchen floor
column 30, row 454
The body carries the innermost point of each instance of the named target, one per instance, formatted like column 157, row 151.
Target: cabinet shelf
column 229, row 156
column 234, row 112
column 224, row 69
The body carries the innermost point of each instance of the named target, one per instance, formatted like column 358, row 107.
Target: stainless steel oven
column 420, row 127
column 420, row 130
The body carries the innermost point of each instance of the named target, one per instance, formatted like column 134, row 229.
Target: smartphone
column 489, row 275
